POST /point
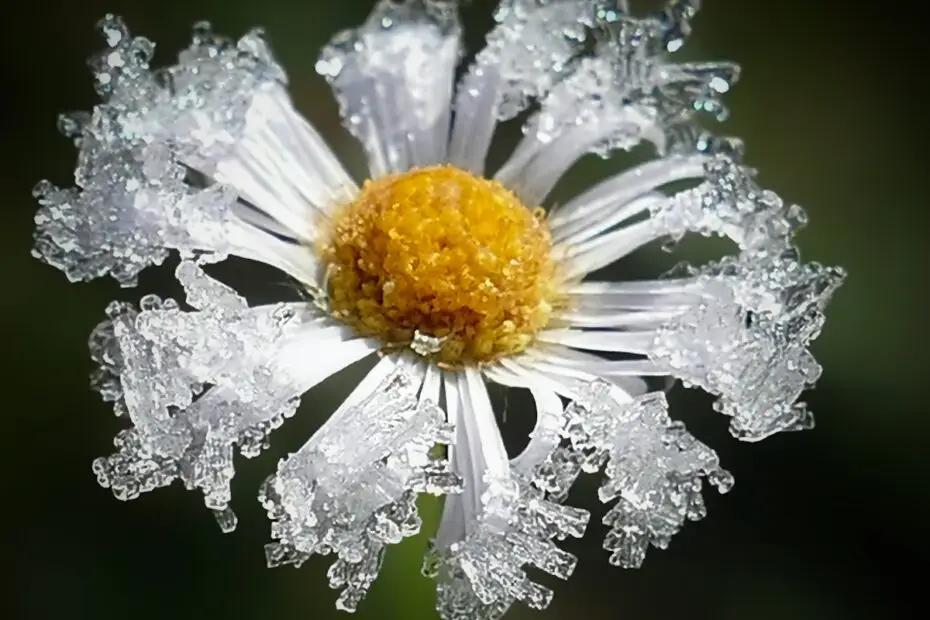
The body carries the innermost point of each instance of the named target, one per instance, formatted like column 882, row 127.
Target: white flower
column 441, row 268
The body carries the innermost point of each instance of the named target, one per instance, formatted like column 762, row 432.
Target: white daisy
column 451, row 273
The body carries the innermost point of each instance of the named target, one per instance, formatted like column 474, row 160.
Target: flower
column 452, row 274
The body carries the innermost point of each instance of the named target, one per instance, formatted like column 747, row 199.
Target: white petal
column 598, row 340
column 608, row 318
column 281, row 165
column 616, row 192
column 568, row 382
column 622, row 372
column 458, row 509
column 594, row 254
column 545, row 435
column 478, row 451
column 527, row 51
column 634, row 294
column 393, row 78
column 294, row 259
column 586, row 228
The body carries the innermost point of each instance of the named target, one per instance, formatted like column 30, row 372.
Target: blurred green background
column 821, row 525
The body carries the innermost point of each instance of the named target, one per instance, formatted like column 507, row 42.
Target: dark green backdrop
column 821, row 525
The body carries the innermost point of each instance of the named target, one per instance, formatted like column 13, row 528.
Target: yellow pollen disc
column 444, row 253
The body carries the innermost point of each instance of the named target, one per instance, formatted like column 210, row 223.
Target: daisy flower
column 452, row 274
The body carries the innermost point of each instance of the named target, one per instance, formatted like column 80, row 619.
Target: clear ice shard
column 730, row 203
column 481, row 576
column 653, row 468
column 194, row 384
column 746, row 340
column 351, row 490
column 132, row 203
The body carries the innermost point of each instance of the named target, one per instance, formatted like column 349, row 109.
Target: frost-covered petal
column 630, row 210
column 652, row 467
column 393, row 78
column 502, row 524
column 196, row 384
column 747, row 338
column 136, row 197
column 627, row 92
column 528, row 50
column 351, row 489
column 280, row 167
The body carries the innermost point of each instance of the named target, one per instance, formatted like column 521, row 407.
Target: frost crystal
column 746, row 340
column 652, row 466
column 351, row 489
column 131, row 203
column 624, row 93
column 729, row 202
column 194, row 385
column 481, row 576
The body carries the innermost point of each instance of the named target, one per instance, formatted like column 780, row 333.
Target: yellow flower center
column 450, row 263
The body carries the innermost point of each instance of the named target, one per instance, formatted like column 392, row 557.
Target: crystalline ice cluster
column 746, row 339
column 653, row 468
column 482, row 575
column 371, row 69
column 131, row 204
column 624, row 93
column 351, row 489
column 218, row 386
column 730, row 203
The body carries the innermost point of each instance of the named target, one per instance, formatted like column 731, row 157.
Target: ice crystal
column 481, row 576
column 730, row 203
column 747, row 338
column 386, row 70
column 218, row 386
column 653, row 469
column 350, row 490
column 624, row 93
column 131, row 203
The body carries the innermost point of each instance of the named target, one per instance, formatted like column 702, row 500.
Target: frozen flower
column 452, row 274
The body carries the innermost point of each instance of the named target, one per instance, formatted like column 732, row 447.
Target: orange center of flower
column 451, row 264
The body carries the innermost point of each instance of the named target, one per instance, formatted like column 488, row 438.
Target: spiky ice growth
column 653, row 468
column 481, row 576
column 206, row 401
column 351, row 489
column 746, row 337
column 210, row 159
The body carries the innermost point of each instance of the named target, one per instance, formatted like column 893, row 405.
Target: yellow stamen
column 445, row 253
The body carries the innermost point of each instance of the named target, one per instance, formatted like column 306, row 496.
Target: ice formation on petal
column 131, row 203
column 653, row 468
column 527, row 52
column 393, row 78
column 625, row 93
column 729, row 202
column 351, row 489
column 747, row 339
column 503, row 523
column 481, row 576
column 193, row 384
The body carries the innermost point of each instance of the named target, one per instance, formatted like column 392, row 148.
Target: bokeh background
column 827, row 524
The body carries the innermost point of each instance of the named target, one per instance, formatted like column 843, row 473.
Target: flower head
column 452, row 274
